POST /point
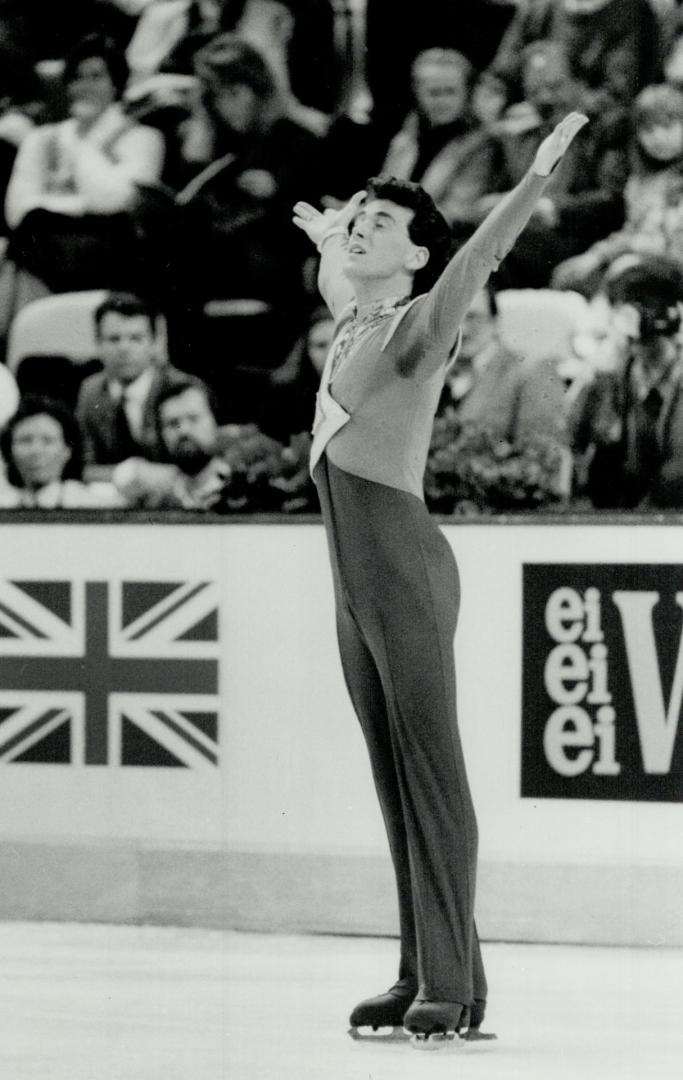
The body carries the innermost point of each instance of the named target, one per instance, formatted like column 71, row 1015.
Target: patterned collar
column 357, row 323
column 380, row 309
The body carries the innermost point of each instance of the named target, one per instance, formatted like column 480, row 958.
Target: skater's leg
column 418, row 673
column 479, row 984
column 367, row 697
column 399, row 577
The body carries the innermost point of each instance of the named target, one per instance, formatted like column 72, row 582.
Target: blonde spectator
column 441, row 145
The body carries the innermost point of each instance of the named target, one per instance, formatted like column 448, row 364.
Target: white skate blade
column 438, row 1040
column 474, row 1035
column 366, row 1033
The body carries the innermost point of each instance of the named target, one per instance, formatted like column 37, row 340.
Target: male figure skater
column 398, row 301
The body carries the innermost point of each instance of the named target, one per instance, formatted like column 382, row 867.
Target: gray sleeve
column 335, row 288
column 443, row 309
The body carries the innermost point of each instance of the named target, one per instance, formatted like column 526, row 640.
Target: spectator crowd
column 150, row 155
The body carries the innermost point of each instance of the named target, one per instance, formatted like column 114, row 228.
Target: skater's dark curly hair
column 428, row 227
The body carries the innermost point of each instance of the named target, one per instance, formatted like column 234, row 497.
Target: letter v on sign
column 657, row 724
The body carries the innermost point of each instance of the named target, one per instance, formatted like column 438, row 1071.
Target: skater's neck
column 374, row 291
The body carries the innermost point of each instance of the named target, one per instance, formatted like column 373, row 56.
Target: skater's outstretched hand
column 555, row 145
column 316, row 223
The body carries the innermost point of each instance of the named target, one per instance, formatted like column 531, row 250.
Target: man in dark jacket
column 116, row 406
column 628, row 423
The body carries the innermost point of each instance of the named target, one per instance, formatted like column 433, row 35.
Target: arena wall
column 263, row 816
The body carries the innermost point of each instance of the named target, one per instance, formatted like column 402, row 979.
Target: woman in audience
column 41, row 448
column 75, row 186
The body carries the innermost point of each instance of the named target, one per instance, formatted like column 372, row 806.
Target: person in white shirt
column 75, row 186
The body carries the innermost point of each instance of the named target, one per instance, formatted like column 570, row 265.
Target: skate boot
column 381, row 1017
column 470, row 1029
column 433, row 1024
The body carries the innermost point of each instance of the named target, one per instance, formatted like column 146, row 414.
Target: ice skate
column 434, row 1024
column 381, row 1018
column 470, row 1029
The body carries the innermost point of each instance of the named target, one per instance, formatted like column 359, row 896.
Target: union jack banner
column 109, row 673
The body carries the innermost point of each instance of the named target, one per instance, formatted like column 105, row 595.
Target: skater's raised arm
column 467, row 272
column 329, row 231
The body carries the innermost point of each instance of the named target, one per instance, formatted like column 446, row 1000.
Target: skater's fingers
column 553, row 148
column 571, row 124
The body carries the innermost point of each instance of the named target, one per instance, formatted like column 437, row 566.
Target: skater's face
column 188, row 426
column 127, row 345
column 440, row 92
column 380, row 244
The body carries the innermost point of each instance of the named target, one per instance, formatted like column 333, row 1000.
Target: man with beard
column 193, row 474
column 206, row 466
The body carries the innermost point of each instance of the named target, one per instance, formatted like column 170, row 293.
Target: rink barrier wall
column 322, row 894
column 282, row 832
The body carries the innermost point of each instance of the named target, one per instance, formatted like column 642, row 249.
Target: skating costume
column 397, row 591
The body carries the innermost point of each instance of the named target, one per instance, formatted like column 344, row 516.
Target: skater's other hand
column 316, row 223
column 553, row 148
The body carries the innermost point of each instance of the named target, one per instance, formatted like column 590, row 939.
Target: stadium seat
column 60, row 325
column 540, row 323
column 9, row 395
column 52, row 345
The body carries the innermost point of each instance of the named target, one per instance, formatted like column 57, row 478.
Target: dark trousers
column 397, row 597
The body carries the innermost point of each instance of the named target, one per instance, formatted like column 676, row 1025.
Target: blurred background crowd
column 161, row 334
